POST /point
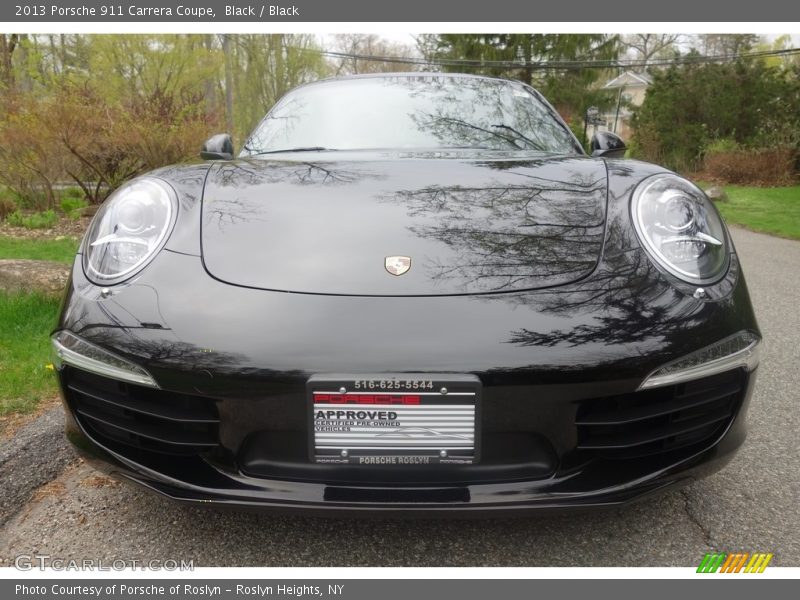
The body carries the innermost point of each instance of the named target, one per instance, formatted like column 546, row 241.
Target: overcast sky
column 408, row 38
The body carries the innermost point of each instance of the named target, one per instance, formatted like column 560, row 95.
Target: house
column 631, row 88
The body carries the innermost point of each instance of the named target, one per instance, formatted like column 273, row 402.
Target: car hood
column 468, row 226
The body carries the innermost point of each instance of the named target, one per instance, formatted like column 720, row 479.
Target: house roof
column 627, row 78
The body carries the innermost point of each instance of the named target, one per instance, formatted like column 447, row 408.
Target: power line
column 560, row 65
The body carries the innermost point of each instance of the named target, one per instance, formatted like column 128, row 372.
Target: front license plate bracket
column 394, row 420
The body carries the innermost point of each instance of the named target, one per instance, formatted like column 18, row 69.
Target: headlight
column 679, row 228
column 128, row 230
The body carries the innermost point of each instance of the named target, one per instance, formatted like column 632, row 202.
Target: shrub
column 81, row 134
column 7, row 206
column 691, row 110
column 71, row 206
column 8, row 202
column 30, row 162
column 15, row 218
column 722, row 145
column 72, row 192
column 576, row 126
column 39, row 220
column 769, row 166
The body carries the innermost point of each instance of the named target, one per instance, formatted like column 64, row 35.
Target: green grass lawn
column 25, row 324
column 769, row 210
column 61, row 250
column 25, row 376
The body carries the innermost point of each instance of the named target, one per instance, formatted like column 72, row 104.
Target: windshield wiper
column 300, row 149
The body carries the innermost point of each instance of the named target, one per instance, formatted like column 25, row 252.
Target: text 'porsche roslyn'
column 408, row 293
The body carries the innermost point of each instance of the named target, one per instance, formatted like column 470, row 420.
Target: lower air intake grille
column 396, row 495
column 145, row 418
column 659, row 420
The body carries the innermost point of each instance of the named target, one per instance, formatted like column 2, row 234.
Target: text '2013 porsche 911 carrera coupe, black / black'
column 408, row 293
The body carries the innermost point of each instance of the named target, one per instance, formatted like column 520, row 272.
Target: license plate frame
column 447, row 400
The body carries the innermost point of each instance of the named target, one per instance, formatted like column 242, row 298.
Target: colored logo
column 397, row 265
column 736, row 562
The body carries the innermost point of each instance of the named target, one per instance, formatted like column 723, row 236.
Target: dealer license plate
column 394, row 420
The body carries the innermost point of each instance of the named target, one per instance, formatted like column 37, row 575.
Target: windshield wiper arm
column 299, row 149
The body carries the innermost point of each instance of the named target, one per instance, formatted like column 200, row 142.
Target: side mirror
column 605, row 143
column 218, row 147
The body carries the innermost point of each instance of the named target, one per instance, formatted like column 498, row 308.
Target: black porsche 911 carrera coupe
column 408, row 293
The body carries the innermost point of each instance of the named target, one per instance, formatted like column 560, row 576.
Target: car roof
column 406, row 74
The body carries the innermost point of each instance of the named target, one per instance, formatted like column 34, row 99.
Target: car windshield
column 411, row 112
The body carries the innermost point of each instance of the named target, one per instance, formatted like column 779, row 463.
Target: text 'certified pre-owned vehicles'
column 408, row 293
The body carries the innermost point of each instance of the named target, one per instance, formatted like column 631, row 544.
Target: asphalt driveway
column 752, row 505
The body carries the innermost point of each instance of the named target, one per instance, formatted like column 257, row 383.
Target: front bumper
column 582, row 477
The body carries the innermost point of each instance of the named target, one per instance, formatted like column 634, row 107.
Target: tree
column 228, row 54
column 361, row 44
column 265, row 68
column 690, row 107
column 526, row 57
column 647, row 46
column 726, row 44
column 100, row 109
column 8, row 43
column 783, row 42
column 134, row 65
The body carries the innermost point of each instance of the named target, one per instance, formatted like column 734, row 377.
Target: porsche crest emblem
column 397, row 265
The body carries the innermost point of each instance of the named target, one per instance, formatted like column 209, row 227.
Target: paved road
column 751, row 505
column 36, row 455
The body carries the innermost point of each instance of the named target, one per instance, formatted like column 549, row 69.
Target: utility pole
column 619, row 101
